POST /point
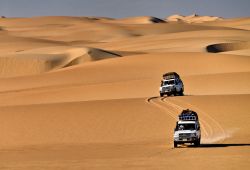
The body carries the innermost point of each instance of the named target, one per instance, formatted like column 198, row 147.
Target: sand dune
column 127, row 68
column 82, row 92
column 90, row 30
column 215, row 48
column 212, row 84
column 15, row 44
column 140, row 20
column 64, row 28
column 183, row 41
column 240, row 23
column 194, row 18
column 238, row 52
column 137, row 132
column 36, row 61
column 123, row 78
column 223, row 83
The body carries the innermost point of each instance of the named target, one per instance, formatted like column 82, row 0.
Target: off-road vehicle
column 171, row 84
column 187, row 129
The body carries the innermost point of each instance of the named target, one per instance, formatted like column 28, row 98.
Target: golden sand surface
column 82, row 92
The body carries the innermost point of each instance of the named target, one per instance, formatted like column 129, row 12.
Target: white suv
column 171, row 85
column 187, row 129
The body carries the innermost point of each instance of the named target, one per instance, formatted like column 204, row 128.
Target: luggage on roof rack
column 170, row 75
column 188, row 115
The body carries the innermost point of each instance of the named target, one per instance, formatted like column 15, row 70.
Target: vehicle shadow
column 219, row 145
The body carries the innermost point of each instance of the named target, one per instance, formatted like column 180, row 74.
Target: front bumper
column 167, row 90
column 185, row 140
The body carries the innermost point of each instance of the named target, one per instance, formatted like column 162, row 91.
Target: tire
column 175, row 93
column 175, row 145
column 179, row 93
column 161, row 94
column 197, row 143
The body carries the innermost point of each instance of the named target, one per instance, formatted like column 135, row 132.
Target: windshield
column 185, row 127
column 169, row 82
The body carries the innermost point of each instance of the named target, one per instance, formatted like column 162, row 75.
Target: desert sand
column 82, row 92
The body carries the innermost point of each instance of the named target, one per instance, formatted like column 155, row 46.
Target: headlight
column 193, row 134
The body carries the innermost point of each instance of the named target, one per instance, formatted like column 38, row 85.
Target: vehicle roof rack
column 170, row 75
column 188, row 115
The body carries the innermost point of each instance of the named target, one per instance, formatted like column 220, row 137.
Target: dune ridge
column 140, row 20
column 36, row 61
column 193, row 18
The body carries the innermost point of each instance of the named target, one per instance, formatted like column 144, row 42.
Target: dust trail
column 218, row 137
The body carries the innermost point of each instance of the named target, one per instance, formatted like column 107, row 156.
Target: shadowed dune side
column 46, row 59
column 223, row 47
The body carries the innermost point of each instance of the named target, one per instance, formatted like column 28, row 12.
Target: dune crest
column 140, row 20
column 193, row 18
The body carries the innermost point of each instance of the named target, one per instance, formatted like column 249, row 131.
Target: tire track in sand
column 217, row 132
column 173, row 110
column 206, row 127
column 153, row 101
column 170, row 150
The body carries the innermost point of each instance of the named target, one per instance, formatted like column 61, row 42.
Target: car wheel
column 197, row 143
column 181, row 92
